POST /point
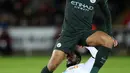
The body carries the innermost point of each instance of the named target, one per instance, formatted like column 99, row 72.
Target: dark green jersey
column 79, row 14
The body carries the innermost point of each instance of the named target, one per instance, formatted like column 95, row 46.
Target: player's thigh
column 100, row 38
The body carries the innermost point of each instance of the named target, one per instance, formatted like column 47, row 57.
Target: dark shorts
column 67, row 43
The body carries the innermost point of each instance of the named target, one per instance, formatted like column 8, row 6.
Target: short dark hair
column 73, row 59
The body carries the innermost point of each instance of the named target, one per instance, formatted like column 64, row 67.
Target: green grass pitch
column 35, row 64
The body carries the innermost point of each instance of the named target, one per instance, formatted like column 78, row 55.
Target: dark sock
column 45, row 70
column 101, row 57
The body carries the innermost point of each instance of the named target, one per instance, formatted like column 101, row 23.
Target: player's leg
column 100, row 38
column 56, row 58
column 62, row 48
column 105, row 44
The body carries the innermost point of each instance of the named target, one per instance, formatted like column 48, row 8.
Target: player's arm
column 106, row 12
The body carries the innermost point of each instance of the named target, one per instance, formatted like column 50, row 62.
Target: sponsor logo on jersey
column 82, row 6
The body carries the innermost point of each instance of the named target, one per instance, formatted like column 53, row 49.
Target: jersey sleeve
column 107, row 27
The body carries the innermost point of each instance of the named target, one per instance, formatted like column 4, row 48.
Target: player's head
column 73, row 59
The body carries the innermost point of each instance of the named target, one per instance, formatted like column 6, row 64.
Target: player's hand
column 115, row 43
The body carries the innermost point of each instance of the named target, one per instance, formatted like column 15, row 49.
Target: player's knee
column 107, row 42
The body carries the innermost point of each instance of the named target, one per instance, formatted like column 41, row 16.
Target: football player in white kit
column 75, row 67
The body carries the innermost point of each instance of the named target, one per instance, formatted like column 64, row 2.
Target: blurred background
column 29, row 29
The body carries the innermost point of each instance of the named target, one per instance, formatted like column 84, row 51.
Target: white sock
column 93, row 51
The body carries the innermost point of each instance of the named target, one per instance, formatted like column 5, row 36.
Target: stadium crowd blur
column 48, row 12
column 29, row 13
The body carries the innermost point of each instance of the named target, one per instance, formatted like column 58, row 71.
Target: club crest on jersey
column 92, row 1
column 59, row 45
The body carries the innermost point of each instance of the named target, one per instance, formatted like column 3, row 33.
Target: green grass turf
column 35, row 64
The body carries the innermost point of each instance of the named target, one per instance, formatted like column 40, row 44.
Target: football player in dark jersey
column 76, row 29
